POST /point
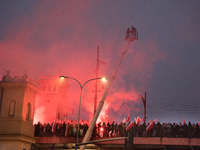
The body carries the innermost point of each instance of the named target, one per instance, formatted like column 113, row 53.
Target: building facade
column 51, row 103
column 24, row 101
column 17, row 101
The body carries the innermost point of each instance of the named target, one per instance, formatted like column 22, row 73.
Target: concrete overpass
column 140, row 143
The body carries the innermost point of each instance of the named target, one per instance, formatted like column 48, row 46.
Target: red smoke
column 62, row 38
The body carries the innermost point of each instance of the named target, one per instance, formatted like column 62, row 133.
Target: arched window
column 28, row 113
column 12, row 108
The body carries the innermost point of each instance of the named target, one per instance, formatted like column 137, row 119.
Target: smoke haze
column 53, row 37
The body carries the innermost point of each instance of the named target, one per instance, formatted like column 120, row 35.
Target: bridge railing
column 118, row 130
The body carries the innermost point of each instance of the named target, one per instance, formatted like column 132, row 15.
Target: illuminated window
column 28, row 113
column 12, row 108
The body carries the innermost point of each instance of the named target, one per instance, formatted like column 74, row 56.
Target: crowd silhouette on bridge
column 119, row 130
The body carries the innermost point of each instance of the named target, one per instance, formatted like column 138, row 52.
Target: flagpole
column 131, row 36
column 144, row 102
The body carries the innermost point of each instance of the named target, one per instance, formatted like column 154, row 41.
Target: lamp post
column 144, row 102
column 81, row 86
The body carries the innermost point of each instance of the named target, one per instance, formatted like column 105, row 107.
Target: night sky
column 52, row 36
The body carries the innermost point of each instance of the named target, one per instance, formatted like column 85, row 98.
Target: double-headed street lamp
column 81, row 86
column 144, row 102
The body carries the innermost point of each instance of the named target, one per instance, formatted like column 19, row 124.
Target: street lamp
column 81, row 86
column 144, row 102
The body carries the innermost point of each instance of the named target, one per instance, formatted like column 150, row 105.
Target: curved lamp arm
column 81, row 86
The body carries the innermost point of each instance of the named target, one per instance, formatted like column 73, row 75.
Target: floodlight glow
column 103, row 79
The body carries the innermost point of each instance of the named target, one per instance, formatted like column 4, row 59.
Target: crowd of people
column 119, row 130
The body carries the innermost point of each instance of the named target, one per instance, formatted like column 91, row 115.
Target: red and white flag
column 59, row 125
column 124, row 121
column 128, row 119
column 150, row 125
column 129, row 126
column 135, row 120
column 53, row 128
column 44, row 128
column 138, row 120
column 66, row 130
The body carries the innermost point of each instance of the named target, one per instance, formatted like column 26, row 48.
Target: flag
column 183, row 120
column 150, row 125
column 124, row 120
column 53, row 127
column 138, row 120
column 128, row 119
column 129, row 126
column 44, row 127
column 59, row 125
column 110, row 133
column 135, row 120
column 66, row 130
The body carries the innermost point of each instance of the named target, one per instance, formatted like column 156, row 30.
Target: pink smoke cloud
column 61, row 38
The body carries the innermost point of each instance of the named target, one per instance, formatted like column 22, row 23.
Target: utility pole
column 97, row 69
column 96, row 85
